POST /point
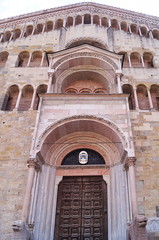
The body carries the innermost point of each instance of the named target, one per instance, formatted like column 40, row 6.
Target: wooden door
column 81, row 209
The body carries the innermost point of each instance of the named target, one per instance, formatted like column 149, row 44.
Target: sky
column 10, row 8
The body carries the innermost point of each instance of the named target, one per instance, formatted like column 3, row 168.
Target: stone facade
column 80, row 76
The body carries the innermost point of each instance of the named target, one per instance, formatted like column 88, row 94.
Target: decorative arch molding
column 92, row 141
column 85, row 54
column 85, row 39
column 99, row 120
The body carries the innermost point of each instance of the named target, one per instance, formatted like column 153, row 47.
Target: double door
column 81, row 209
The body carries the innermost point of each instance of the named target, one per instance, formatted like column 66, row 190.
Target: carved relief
column 130, row 161
column 33, row 163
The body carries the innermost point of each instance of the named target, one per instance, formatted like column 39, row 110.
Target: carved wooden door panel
column 81, row 209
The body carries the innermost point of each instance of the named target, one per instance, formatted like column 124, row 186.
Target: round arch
column 90, row 132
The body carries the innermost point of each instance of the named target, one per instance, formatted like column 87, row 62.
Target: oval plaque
column 83, row 157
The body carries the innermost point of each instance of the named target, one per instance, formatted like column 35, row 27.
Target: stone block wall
column 145, row 129
column 16, row 134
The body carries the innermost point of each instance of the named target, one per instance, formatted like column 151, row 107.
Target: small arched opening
column 128, row 89
column 69, row 22
column 26, row 98
column 87, row 19
column 78, row 20
column 144, row 31
column 6, row 36
column 39, row 28
column 148, row 60
column 58, row 24
column 10, row 98
column 154, row 90
column 23, row 59
column 143, row 97
column 155, row 34
column 104, row 22
column 42, row 89
column 96, row 20
column 16, row 34
column 3, row 59
column 36, row 59
column 124, row 26
column 114, row 24
column 134, row 28
column 29, row 30
column 135, row 60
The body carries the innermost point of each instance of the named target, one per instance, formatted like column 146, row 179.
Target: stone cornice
column 93, row 8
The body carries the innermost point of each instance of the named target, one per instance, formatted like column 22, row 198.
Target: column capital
column 130, row 162
column 33, row 163
column 50, row 74
column 118, row 72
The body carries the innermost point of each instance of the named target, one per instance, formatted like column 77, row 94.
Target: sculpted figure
column 137, row 230
column 20, row 231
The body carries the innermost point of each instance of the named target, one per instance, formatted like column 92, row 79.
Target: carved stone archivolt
column 80, row 117
column 85, row 54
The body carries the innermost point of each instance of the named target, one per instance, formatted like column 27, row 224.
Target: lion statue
column 137, row 229
column 20, row 231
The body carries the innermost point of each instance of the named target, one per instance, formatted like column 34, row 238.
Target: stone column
column 29, row 60
column 91, row 19
column 51, row 77
column 129, row 60
column 130, row 166
column 42, row 59
column 100, row 21
column 43, row 27
column 23, row 31
column 109, row 23
column 136, row 99
column 18, row 100
column 150, row 34
column 118, row 77
column 119, row 24
column 64, row 22
column 74, row 20
column 140, row 32
column 1, row 37
column 82, row 19
column 34, row 26
column 150, row 99
column 33, row 100
column 33, row 165
column 11, row 36
column 129, row 28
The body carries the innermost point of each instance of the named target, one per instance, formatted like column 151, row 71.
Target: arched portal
column 104, row 144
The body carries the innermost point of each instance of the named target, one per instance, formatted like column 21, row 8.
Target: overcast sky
column 10, row 8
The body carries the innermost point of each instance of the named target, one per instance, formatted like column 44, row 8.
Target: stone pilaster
column 33, row 165
column 130, row 167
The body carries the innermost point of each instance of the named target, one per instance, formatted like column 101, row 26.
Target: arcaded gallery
column 79, row 135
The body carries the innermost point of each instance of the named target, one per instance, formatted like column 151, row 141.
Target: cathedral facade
column 79, row 102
